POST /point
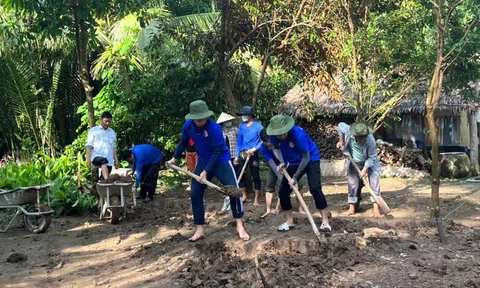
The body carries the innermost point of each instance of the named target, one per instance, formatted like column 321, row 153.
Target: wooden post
column 79, row 170
column 474, row 145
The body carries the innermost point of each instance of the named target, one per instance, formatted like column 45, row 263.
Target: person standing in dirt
column 248, row 143
column 101, row 146
column 296, row 150
column 272, row 174
column 266, row 149
column 145, row 160
column 230, row 135
column 213, row 160
column 358, row 142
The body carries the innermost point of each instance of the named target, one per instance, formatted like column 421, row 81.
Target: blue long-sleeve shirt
column 248, row 137
column 209, row 143
column 297, row 143
column 267, row 153
column 144, row 154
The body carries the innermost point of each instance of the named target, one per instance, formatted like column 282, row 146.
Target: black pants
column 149, row 179
column 313, row 174
column 99, row 161
column 254, row 165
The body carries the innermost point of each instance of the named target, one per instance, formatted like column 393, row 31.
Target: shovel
column 379, row 200
column 231, row 191
column 243, row 169
column 304, row 206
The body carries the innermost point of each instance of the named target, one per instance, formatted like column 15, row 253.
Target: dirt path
column 149, row 248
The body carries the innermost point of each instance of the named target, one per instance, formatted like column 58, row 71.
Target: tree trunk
column 474, row 144
column 256, row 91
column 224, row 60
column 433, row 98
column 82, row 41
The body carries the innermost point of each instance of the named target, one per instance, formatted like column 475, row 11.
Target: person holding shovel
column 230, row 135
column 358, row 142
column 248, row 143
column 296, row 150
column 145, row 160
column 266, row 149
column 213, row 160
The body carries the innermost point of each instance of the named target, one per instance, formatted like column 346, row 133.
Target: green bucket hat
column 360, row 129
column 279, row 125
column 198, row 110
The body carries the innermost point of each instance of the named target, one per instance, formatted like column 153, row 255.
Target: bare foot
column 256, row 204
column 266, row 214
column 275, row 211
column 197, row 236
column 243, row 234
column 301, row 211
column 376, row 212
column 351, row 210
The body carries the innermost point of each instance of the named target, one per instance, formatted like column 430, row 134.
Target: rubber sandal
column 325, row 227
column 284, row 227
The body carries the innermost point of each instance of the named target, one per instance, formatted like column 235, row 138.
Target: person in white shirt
column 101, row 146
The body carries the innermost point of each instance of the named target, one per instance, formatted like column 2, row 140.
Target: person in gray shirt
column 358, row 142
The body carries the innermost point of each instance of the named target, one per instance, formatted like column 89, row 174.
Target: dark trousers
column 254, row 165
column 226, row 174
column 149, row 179
column 99, row 162
column 271, row 181
column 313, row 174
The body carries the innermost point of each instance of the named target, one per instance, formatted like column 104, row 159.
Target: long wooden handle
column 194, row 176
column 304, row 206
column 379, row 200
column 243, row 169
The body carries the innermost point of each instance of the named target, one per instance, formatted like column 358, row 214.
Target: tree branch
column 451, row 9
column 474, row 21
column 244, row 39
column 307, row 23
column 294, row 22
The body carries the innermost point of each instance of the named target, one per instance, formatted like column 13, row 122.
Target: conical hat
column 224, row 117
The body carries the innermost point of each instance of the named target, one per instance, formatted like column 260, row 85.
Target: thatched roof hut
column 303, row 103
column 300, row 103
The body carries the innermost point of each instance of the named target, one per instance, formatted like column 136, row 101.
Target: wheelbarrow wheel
column 114, row 201
column 37, row 223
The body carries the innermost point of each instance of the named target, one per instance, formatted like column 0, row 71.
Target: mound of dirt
column 117, row 178
column 17, row 257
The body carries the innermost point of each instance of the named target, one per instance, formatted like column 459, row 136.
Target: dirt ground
column 150, row 247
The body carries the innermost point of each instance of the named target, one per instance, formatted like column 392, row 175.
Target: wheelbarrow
column 37, row 216
column 113, row 200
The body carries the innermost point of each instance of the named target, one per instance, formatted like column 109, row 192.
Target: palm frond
column 201, row 21
column 47, row 133
column 18, row 85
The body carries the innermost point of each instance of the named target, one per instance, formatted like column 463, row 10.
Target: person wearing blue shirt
column 266, row 149
column 145, row 160
column 248, row 143
column 300, row 155
column 213, row 160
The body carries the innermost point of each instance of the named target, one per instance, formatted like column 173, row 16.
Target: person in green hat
column 300, row 155
column 213, row 160
column 358, row 142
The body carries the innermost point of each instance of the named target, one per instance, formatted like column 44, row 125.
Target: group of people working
column 222, row 151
